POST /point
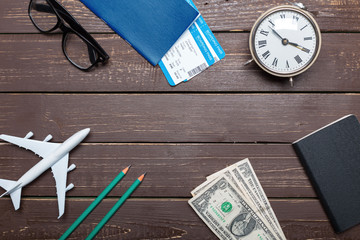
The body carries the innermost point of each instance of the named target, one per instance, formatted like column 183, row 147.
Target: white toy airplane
column 55, row 155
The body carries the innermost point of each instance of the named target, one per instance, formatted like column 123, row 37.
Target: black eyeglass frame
column 73, row 27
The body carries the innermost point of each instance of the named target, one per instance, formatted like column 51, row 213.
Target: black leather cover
column 331, row 158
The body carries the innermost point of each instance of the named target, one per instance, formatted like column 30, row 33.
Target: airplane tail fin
column 7, row 185
column 11, row 189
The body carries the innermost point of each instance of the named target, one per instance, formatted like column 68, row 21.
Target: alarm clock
column 285, row 41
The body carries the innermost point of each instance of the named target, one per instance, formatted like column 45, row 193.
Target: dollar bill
column 245, row 175
column 228, row 214
column 246, row 192
column 232, row 172
column 227, row 172
column 243, row 180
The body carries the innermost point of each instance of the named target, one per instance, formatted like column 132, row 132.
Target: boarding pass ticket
column 193, row 52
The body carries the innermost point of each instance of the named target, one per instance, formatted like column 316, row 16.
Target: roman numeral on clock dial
column 298, row 59
column 262, row 43
column 266, row 54
column 263, row 32
column 275, row 62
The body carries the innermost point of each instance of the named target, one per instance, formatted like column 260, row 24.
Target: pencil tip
column 126, row 169
column 142, row 177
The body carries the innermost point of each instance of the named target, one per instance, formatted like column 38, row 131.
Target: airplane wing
column 41, row 148
column 60, row 170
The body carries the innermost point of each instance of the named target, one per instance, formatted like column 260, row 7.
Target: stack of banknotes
column 233, row 205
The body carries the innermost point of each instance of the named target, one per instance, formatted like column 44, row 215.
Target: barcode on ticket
column 197, row 70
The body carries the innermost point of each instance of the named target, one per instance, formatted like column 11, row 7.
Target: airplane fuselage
column 52, row 158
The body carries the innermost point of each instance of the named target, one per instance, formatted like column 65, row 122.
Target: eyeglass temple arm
column 92, row 55
column 42, row 8
column 78, row 28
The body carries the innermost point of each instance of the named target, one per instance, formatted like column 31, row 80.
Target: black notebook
column 331, row 158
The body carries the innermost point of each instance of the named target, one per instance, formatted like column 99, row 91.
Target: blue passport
column 151, row 27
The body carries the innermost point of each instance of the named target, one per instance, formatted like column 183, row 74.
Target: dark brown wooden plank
column 41, row 66
column 173, row 170
column 220, row 15
column 178, row 135
column 152, row 219
column 226, row 118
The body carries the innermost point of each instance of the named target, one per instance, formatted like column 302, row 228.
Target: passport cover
column 331, row 158
column 151, row 27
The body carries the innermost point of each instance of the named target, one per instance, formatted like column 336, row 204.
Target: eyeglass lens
column 78, row 51
column 43, row 15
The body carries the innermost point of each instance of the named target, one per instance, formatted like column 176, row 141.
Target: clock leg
column 291, row 80
column 248, row 62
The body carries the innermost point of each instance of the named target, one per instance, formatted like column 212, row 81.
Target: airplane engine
column 69, row 187
column 72, row 167
column 48, row 138
column 29, row 135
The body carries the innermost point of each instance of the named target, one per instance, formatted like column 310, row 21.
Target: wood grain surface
column 178, row 135
column 220, row 15
column 153, row 219
column 38, row 68
column 182, row 165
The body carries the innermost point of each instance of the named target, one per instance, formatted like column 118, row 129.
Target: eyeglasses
column 79, row 47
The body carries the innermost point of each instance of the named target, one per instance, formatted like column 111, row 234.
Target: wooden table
column 178, row 135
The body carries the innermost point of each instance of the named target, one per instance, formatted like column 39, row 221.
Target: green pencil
column 94, row 204
column 115, row 207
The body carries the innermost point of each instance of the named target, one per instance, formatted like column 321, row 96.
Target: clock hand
column 284, row 41
column 299, row 47
column 276, row 33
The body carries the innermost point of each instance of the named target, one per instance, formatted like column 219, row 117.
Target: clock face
column 285, row 41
